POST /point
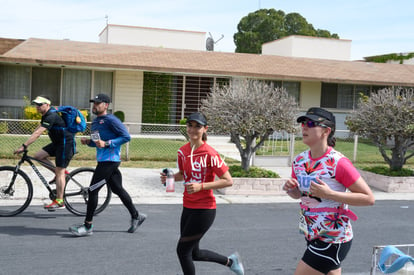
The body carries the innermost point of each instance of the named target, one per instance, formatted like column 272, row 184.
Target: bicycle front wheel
column 16, row 191
column 76, row 192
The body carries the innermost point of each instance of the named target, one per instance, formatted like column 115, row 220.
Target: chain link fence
column 286, row 144
column 155, row 142
column 160, row 142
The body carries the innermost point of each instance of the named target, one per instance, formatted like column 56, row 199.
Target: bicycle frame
column 76, row 192
column 29, row 159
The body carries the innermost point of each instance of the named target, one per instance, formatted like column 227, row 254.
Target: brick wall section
column 266, row 186
column 255, row 186
column 389, row 184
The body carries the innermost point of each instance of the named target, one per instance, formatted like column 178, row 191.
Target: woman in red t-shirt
column 198, row 165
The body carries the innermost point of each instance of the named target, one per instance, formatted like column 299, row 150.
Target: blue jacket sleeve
column 121, row 132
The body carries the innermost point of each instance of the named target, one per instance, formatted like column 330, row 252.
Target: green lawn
column 148, row 152
column 139, row 148
column 367, row 153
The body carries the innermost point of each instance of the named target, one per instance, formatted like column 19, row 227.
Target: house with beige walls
column 153, row 84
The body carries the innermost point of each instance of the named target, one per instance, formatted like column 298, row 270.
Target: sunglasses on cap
column 312, row 124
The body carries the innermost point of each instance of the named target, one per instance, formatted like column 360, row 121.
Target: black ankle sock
column 88, row 225
column 230, row 263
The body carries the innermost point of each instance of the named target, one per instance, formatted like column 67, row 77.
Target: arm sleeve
column 218, row 165
column 122, row 133
column 48, row 121
column 346, row 173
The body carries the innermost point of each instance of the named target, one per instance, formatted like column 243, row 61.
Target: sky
column 374, row 26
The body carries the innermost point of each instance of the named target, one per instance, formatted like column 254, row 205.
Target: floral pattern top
column 338, row 172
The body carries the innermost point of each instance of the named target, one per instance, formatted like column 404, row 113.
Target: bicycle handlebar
column 25, row 150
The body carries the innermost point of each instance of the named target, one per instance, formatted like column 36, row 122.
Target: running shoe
column 135, row 223
column 237, row 266
column 54, row 205
column 80, row 230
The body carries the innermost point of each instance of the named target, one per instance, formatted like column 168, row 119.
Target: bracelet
column 24, row 146
column 291, row 190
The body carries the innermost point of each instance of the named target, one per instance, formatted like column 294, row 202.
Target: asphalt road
column 265, row 235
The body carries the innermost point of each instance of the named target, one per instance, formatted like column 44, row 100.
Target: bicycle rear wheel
column 16, row 191
column 76, row 192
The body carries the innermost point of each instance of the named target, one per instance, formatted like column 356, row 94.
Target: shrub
column 30, row 112
column 120, row 115
column 386, row 171
column 4, row 128
column 183, row 130
column 237, row 171
column 85, row 114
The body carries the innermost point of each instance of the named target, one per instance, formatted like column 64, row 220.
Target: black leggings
column 108, row 173
column 194, row 224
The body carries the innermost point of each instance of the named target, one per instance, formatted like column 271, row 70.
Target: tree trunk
column 397, row 155
column 245, row 153
column 246, row 156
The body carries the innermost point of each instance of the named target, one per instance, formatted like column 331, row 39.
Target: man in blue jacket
column 107, row 135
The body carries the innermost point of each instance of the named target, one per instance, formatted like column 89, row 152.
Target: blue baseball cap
column 197, row 117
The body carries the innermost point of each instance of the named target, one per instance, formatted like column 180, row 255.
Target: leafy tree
column 297, row 24
column 390, row 57
column 250, row 110
column 266, row 25
column 387, row 119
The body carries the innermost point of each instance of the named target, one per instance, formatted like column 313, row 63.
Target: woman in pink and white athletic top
column 326, row 182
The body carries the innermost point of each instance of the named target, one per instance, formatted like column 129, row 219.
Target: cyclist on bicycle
column 61, row 147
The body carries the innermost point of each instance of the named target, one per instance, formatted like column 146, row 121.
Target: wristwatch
column 107, row 144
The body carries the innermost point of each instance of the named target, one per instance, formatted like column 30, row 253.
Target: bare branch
column 386, row 118
column 249, row 109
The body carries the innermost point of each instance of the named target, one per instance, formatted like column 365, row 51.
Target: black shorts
column 62, row 153
column 325, row 257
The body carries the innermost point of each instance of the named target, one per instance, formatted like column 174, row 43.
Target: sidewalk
column 145, row 188
column 144, row 185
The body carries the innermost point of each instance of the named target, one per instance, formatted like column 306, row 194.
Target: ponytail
column 331, row 138
column 331, row 141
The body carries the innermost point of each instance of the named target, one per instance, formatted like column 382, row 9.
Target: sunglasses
column 39, row 104
column 312, row 124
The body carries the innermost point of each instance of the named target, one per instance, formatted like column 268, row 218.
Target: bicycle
column 16, row 188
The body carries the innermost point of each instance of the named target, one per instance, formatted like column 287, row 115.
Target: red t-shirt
column 200, row 165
